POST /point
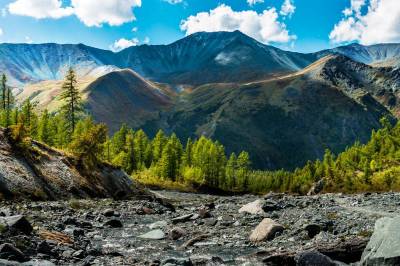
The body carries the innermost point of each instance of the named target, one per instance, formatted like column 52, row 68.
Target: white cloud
column 173, row 2
column 40, row 9
column 90, row 12
column 146, row 40
column 287, row 8
column 122, row 43
column 134, row 29
column 379, row 24
column 112, row 12
column 253, row 2
column 264, row 27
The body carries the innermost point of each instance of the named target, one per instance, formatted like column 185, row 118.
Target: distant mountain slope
column 212, row 57
column 281, row 122
column 126, row 97
column 378, row 54
column 31, row 63
column 383, row 83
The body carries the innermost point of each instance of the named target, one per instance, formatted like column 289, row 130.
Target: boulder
column 155, row 234
column 176, row 233
column 254, row 207
column 312, row 230
column 314, row 258
column 9, row 252
column 383, row 248
column 113, row 223
column 182, row 219
column 158, row 225
column 266, row 230
column 17, row 223
column 316, row 188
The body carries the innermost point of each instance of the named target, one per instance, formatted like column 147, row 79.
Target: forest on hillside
column 165, row 161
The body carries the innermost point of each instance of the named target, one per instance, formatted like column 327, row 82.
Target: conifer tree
column 72, row 101
column 45, row 131
column 3, row 91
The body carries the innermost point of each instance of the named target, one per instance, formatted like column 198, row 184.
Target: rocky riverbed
column 193, row 230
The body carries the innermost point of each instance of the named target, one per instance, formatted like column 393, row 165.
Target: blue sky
column 308, row 26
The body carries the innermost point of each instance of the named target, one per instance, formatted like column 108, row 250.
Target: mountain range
column 283, row 107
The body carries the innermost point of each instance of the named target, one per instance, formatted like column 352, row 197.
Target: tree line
column 165, row 160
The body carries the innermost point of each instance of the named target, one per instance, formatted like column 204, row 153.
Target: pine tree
column 3, row 91
column 72, row 101
column 45, row 131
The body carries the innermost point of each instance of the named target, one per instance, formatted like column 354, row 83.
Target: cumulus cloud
column 253, row 2
column 264, row 27
column 40, row 9
column 287, row 8
column 378, row 24
column 122, row 44
column 112, row 12
column 90, row 12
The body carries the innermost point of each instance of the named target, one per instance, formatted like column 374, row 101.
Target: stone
column 38, row 263
column 316, row 188
column 158, row 225
column 384, row 246
column 314, row 258
column 176, row 262
column 254, row 208
column 108, row 212
column 17, row 223
column 204, row 213
column 154, row 234
column 113, row 223
column 182, row 219
column 44, row 247
column 271, row 205
column 266, row 230
column 312, row 230
column 176, row 233
column 9, row 252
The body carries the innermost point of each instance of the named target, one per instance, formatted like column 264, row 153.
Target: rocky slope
column 46, row 174
column 276, row 229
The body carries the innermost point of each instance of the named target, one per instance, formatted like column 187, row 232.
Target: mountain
column 378, row 54
column 282, row 122
column 125, row 97
column 283, row 107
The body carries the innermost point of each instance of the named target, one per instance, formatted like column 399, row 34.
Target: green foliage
column 72, row 101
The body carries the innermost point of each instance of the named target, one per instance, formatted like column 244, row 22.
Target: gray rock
column 176, row 233
column 254, row 207
column 17, row 223
column 181, row 219
column 314, row 258
column 266, row 230
column 108, row 212
column 38, row 263
column 158, row 225
column 9, row 252
column 155, row 234
column 113, row 223
column 383, row 248
column 312, row 230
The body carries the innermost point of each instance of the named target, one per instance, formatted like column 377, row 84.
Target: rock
column 384, row 246
column 9, row 263
column 204, row 213
column 266, row 230
column 148, row 210
column 182, row 219
column 176, row 262
column 9, row 252
column 271, row 205
column 158, row 225
column 313, row 229
column 348, row 251
column 314, row 258
column 44, row 247
column 38, row 263
column 194, row 240
column 77, row 232
column 176, row 233
column 17, row 223
column 316, row 188
column 155, row 234
column 113, row 223
column 254, row 207
column 211, row 222
column 70, row 221
column 108, row 212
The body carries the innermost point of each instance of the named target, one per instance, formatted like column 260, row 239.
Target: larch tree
column 72, row 106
